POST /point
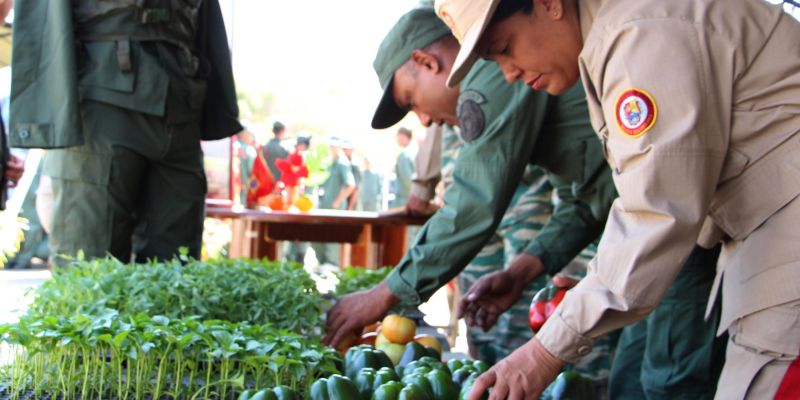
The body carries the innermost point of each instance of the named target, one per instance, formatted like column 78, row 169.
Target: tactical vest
column 123, row 21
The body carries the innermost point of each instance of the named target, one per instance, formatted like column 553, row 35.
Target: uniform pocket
column 99, row 67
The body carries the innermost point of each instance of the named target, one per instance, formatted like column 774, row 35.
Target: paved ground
column 14, row 283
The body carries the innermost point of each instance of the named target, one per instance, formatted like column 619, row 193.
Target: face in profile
column 540, row 49
column 421, row 88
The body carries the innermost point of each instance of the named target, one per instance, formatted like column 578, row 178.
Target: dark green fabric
column 404, row 173
column 340, row 175
column 4, row 157
column 673, row 353
column 521, row 126
column 273, row 151
column 134, row 169
column 370, row 193
column 51, row 75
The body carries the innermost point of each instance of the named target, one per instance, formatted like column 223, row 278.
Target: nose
column 510, row 71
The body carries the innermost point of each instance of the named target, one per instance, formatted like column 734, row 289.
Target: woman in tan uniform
column 698, row 106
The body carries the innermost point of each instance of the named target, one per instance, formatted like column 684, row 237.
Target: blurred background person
column 245, row 150
column 404, row 167
column 370, row 188
column 274, row 149
column 348, row 149
column 335, row 192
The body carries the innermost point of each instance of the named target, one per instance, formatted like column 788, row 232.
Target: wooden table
column 368, row 239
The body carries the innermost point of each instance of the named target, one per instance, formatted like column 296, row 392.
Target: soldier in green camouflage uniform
column 123, row 91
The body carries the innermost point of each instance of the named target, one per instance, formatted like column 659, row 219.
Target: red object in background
column 261, row 182
column 543, row 305
column 292, row 169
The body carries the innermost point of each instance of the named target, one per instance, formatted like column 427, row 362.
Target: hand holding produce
column 525, row 373
column 495, row 293
column 371, row 304
column 543, row 305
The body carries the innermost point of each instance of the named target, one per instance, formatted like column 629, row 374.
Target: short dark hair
column 277, row 127
column 404, row 131
column 507, row 8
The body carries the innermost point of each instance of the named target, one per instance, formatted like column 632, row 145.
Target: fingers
column 462, row 307
column 516, row 393
column 563, row 281
column 482, row 384
column 333, row 326
column 491, row 319
column 479, row 289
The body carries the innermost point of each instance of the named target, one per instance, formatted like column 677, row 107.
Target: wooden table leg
column 391, row 242
column 261, row 244
column 361, row 252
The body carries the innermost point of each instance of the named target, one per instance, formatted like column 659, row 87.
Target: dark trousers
column 674, row 352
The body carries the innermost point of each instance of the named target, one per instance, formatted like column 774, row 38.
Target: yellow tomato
column 394, row 351
column 304, row 203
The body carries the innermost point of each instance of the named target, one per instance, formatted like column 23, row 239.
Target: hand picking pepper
column 543, row 305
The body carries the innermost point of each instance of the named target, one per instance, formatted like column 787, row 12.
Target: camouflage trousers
column 528, row 212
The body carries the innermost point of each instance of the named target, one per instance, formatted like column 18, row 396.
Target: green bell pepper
column 442, row 387
column 264, row 394
column 413, row 391
column 413, row 351
column 319, row 390
column 385, row 375
column 365, row 381
column 283, row 393
column 365, row 357
column 454, row 364
column 570, row 385
column 388, row 391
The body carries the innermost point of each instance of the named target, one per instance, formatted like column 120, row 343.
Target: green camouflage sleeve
column 495, row 153
column 571, row 228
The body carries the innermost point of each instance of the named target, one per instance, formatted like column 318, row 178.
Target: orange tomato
column 275, row 203
column 429, row 341
column 398, row 329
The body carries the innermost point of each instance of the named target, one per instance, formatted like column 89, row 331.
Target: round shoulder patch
column 470, row 115
column 636, row 112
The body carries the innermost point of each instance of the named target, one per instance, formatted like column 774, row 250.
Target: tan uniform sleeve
column 428, row 164
column 665, row 177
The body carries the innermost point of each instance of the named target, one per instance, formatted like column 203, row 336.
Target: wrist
column 525, row 268
column 548, row 359
column 384, row 295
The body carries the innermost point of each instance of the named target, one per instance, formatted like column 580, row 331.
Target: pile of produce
column 180, row 329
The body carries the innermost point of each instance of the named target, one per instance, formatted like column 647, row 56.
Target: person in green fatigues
column 122, row 92
column 404, row 167
column 274, row 150
column 370, row 191
column 335, row 191
column 245, row 151
column 489, row 167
